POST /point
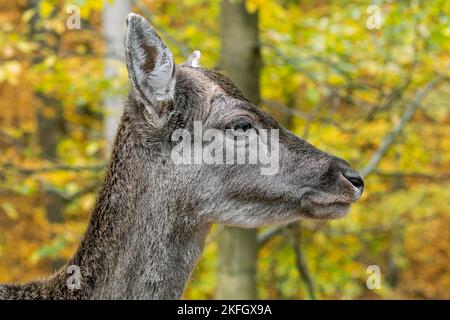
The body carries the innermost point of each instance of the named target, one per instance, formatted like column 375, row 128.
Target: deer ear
column 150, row 63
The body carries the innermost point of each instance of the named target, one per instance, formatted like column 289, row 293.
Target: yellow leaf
column 27, row 15
column 253, row 5
column 45, row 9
column 10, row 210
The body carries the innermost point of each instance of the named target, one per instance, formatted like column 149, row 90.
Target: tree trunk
column 114, row 14
column 49, row 115
column 50, row 130
column 241, row 60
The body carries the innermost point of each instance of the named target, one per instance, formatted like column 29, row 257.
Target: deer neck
column 141, row 243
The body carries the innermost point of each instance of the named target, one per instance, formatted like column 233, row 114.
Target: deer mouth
column 324, row 211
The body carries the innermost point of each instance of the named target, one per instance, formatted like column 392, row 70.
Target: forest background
column 365, row 80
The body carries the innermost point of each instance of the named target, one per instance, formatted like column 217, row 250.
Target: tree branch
column 31, row 171
column 407, row 115
column 68, row 197
column 279, row 107
column 265, row 236
column 184, row 49
column 268, row 234
column 413, row 175
column 300, row 260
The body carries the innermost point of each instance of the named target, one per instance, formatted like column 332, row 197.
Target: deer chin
column 324, row 211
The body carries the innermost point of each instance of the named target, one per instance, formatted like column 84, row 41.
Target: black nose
column 355, row 179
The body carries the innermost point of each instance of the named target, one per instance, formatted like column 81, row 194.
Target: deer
column 148, row 227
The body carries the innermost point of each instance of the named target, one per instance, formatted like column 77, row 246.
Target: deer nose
column 355, row 179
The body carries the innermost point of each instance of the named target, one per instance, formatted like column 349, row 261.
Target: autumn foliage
column 327, row 76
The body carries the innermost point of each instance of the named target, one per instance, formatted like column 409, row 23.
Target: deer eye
column 243, row 124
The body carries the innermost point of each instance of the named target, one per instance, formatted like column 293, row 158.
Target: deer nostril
column 355, row 179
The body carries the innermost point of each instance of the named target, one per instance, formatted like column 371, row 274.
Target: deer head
column 166, row 98
column 153, row 212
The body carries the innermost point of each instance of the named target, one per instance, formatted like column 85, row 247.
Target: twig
column 31, row 171
column 315, row 113
column 268, row 234
column 303, row 115
column 70, row 197
column 407, row 115
column 286, row 110
column 184, row 49
column 414, row 175
column 328, row 230
column 300, row 260
column 397, row 93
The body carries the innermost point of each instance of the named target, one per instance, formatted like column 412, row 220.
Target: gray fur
column 151, row 219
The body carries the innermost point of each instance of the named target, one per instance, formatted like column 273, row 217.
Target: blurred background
column 365, row 80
